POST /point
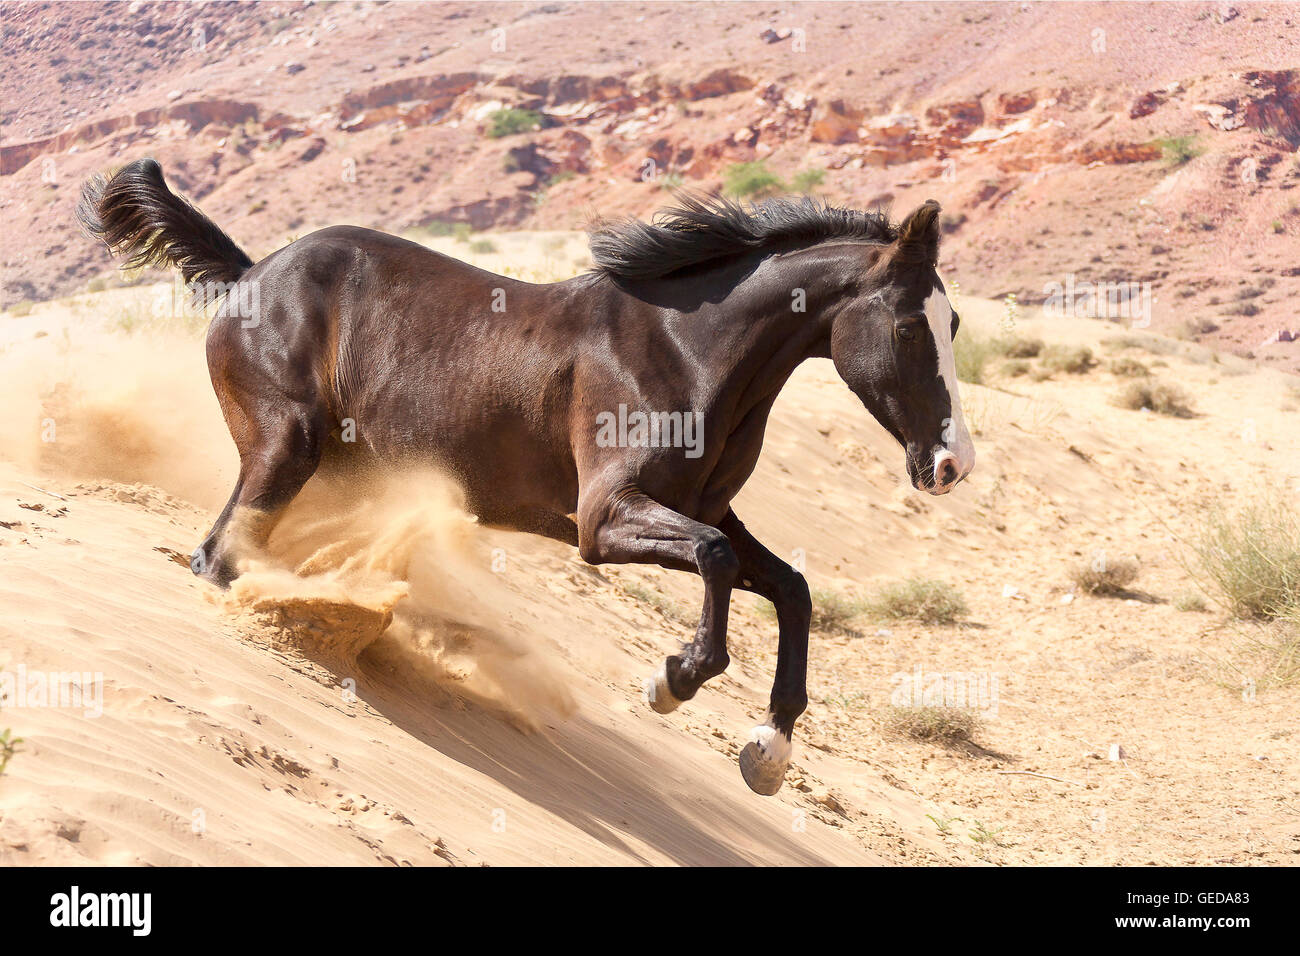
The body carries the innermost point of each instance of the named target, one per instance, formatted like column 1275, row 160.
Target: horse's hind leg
column 276, row 457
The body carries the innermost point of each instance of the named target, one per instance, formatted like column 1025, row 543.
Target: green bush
column 1179, row 150
column 807, row 180
column 511, row 120
column 751, row 180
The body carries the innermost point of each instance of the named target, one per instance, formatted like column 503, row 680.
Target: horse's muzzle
column 948, row 471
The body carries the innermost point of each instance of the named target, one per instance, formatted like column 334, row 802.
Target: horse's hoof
column 765, row 759
column 657, row 693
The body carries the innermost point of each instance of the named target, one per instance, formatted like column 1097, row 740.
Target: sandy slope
column 495, row 715
column 207, row 715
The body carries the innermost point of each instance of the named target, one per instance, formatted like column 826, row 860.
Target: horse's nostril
column 949, row 473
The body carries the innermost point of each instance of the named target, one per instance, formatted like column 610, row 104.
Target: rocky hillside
column 1152, row 148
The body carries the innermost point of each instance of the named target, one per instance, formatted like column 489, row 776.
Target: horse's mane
column 703, row 229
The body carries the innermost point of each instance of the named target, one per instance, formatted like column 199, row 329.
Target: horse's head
column 892, row 344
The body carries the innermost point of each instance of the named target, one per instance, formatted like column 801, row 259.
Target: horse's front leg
column 631, row 528
column 766, row 757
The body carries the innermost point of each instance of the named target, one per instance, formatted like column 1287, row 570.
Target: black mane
column 705, row 229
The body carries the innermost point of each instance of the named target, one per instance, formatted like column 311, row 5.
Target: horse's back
column 427, row 355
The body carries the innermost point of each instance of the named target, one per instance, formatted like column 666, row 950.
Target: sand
column 393, row 684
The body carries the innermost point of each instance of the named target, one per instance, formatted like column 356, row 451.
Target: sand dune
column 391, row 683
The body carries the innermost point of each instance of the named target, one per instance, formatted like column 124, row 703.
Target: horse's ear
column 918, row 235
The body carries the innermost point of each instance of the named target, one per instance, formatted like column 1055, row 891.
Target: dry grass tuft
column 1156, row 397
column 1106, row 578
column 937, row 724
column 919, row 599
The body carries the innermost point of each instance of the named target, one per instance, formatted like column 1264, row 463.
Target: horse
column 562, row 409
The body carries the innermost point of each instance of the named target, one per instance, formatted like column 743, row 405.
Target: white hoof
column 657, row 694
column 765, row 759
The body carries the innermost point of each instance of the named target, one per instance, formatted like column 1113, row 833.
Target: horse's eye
column 906, row 333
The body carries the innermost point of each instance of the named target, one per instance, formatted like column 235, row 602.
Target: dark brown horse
column 620, row 411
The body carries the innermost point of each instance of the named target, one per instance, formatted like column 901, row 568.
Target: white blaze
column 955, row 439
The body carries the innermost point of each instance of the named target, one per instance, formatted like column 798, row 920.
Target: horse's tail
column 137, row 216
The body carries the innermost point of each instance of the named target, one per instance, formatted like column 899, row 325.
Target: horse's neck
column 773, row 327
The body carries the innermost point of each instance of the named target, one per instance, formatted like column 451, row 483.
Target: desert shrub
column 1280, row 648
column 511, row 120
column 1178, row 150
column 8, row 747
column 919, row 599
column 1105, row 578
column 834, row 612
column 971, row 354
column 1016, row 347
column 1147, row 343
column 1156, row 397
column 1015, row 368
column 938, row 724
column 21, row 308
column 1251, row 557
column 982, row 833
column 806, row 180
column 483, row 246
column 1128, row 368
column 1189, row 601
column 1075, row 359
column 753, row 180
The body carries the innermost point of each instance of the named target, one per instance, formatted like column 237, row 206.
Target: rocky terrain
column 1147, row 146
